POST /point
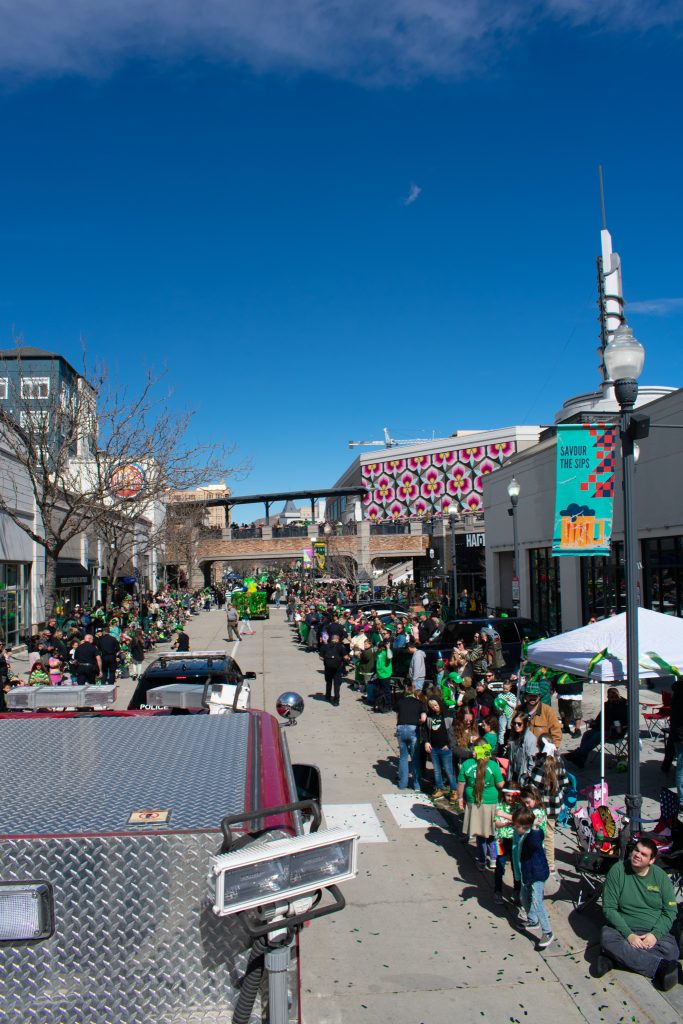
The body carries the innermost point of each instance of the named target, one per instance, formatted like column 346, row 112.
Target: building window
column 15, row 602
column 663, row 574
column 3, row 388
column 35, row 421
column 603, row 586
column 544, row 577
column 35, row 387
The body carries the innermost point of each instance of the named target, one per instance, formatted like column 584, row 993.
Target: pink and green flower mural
column 426, row 485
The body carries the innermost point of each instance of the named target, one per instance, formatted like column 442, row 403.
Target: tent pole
column 602, row 734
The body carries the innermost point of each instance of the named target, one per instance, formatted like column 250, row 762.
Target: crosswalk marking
column 360, row 817
column 413, row 810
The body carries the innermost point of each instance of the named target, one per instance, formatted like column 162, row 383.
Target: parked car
column 512, row 632
column 368, row 607
column 194, row 667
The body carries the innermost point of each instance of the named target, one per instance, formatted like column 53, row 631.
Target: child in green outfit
column 510, row 799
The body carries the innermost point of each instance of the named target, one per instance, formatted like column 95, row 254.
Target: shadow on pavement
column 387, row 768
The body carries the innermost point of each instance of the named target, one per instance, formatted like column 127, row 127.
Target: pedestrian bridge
column 353, row 546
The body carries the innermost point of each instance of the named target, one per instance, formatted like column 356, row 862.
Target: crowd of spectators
column 99, row 644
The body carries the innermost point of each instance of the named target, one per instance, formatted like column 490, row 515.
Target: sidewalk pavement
column 421, row 939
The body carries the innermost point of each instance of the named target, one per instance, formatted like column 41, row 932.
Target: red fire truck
column 157, row 868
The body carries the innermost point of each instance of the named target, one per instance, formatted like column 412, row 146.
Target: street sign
column 363, row 588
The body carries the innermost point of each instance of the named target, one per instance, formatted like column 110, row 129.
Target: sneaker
column 603, row 965
column 522, row 916
column 498, row 898
column 438, row 794
column 532, row 926
column 545, row 940
column 489, row 863
column 667, row 975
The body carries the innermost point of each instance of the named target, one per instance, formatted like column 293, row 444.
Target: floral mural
column 428, row 485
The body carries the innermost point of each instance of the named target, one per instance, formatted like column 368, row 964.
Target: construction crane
column 389, row 442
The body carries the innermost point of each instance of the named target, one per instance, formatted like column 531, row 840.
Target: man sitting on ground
column 640, row 906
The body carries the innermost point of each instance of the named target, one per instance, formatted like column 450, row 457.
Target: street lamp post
column 624, row 358
column 513, row 494
column 453, row 516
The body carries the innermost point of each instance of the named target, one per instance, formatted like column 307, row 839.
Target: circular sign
column 127, row 481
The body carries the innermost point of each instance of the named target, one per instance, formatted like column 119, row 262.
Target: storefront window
column 663, row 574
column 15, row 602
column 603, row 585
column 545, row 589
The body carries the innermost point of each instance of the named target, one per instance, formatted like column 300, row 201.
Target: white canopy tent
column 659, row 636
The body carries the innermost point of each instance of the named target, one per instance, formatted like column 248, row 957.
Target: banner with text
column 320, row 554
column 585, row 489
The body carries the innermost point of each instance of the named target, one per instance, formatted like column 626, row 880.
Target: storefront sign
column 585, row 489
column 127, row 481
column 475, row 540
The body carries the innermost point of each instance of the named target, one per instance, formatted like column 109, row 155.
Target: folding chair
column 657, row 716
column 662, row 833
column 597, row 834
column 616, row 747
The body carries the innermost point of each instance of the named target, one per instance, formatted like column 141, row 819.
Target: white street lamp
column 624, row 355
column 513, row 494
column 624, row 359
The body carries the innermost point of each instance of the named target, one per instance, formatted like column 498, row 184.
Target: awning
column 71, row 574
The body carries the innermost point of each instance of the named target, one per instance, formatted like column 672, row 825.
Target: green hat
column 439, row 663
column 454, row 676
column 533, row 687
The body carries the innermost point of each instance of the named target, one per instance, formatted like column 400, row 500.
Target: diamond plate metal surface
column 83, row 775
column 135, row 942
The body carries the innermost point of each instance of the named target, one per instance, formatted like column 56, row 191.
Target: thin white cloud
column 391, row 41
column 414, row 194
column 656, row 307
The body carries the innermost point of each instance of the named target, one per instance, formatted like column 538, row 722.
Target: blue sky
column 222, row 190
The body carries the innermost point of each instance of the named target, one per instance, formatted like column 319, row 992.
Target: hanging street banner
column 320, row 553
column 585, row 488
column 308, row 557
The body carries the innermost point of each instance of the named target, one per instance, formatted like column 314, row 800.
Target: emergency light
column 283, row 869
column 25, row 912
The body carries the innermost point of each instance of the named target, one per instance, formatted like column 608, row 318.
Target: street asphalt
column 421, row 938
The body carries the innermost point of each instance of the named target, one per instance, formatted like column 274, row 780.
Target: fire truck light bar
column 25, row 912
column 270, row 872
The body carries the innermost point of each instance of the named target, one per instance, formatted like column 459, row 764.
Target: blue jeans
column 408, row 747
column 532, row 901
column 679, row 769
column 487, row 846
column 442, row 761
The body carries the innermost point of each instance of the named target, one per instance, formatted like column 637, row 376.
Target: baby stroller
column 597, row 832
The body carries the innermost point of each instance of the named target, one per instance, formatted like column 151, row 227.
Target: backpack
column 493, row 648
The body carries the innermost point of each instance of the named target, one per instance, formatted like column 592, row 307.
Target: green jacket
column 635, row 903
column 383, row 666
